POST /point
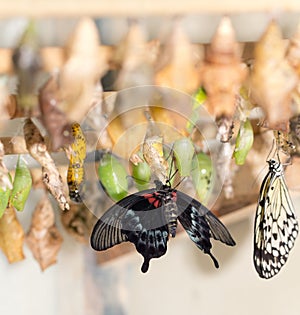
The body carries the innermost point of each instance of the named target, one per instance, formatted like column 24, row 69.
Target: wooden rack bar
column 98, row 8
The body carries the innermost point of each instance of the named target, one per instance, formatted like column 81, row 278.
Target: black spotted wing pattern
column 276, row 226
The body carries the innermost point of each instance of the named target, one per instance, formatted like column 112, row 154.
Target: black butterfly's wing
column 201, row 224
column 137, row 220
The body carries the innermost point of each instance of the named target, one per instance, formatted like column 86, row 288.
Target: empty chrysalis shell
column 183, row 152
column 113, row 177
column 243, row 142
column 201, row 174
column 21, row 186
column 154, row 155
column 273, row 79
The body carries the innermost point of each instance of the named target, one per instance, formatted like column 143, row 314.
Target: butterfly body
column 165, row 197
column 148, row 217
column 276, row 226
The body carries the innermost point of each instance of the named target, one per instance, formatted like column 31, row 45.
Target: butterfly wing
column 201, row 224
column 137, row 220
column 275, row 227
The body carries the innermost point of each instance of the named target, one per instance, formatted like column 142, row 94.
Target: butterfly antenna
column 271, row 150
column 182, row 179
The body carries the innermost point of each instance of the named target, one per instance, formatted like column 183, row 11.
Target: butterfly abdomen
column 171, row 213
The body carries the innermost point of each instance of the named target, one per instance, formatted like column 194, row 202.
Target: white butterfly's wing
column 275, row 228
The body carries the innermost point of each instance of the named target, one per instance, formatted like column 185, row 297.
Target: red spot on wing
column 153, row 199
column 174, row 195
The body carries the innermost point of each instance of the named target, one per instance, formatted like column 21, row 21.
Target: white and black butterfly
column 276, row 226
column 147, row 218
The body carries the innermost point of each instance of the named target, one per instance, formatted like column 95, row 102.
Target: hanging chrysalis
column 21, row 185
column 11, row 236
column 43, row 238
column 293, row 57
column 27, row 66
column 202, row 175
column 294, row 135
column 113, row 177
column 141, row 172
column 4, row 198
column 153, row 151
column 77, row 154
column 273, row 79
column 82, row 70
column 177, row 62
column 133, row 56
column 183, row 150
column 222, row 75
column 244, row 142
column 284, row 142
column 37, row 148
column 5, row 179
column 199, row 99
column 53, row 118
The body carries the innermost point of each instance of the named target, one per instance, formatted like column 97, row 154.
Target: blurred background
column 184, row 281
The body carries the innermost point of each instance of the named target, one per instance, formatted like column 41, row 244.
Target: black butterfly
column 146, row 219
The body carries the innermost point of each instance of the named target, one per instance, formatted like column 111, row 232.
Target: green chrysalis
column 141, row 174
column 183, row 153
column 21, row 186
column 113, row 177
column 202, row 174
column 243, row 142
column 4, row 197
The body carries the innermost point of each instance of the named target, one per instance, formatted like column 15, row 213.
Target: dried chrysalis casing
column 134, row 82
column 273, row 79
column 27, row 65
column 43, row 238
column 8, row 105
column 293, row 51
column 222, row 72
column 177, row 63
column 293, row 57
column 54, row 120
column 82, row 71
column 153, row 152
column 38, row 150
column 11, row 236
